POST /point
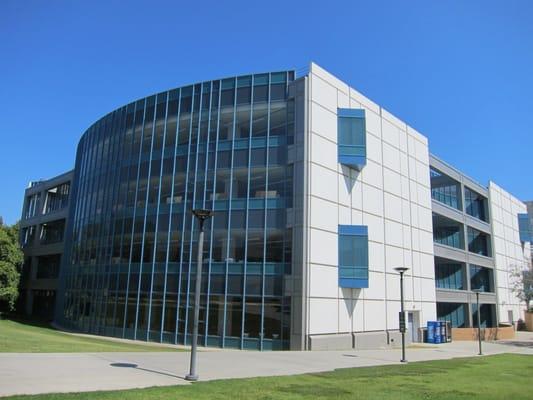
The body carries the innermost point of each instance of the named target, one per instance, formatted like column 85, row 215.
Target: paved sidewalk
column 32, row 373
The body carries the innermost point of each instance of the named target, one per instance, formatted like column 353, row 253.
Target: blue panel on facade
column 524, row 227
column 351, row 112
column 353, row 256
column 353, row 283
column 351, row 137
column 360, row 230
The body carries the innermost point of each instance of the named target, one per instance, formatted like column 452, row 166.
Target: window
column 447, row 232
column 448, row 275
column 52, row 232
column 351, row 137
column 445, row 189
column 478, row 242
column 31, row 205
column 455, row 313
column 480, row 278
column 353, row 256
column 475, row 205
column 524, row 228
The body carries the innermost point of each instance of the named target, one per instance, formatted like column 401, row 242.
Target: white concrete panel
column 374, row 313
column 393, row 310
column 426, row 241
column 345, row 186
column 427, row 266
column 408, row 259
column 324, row 93
column 376, row 286
column 323, row 122
column 425, row 219
column 422, row 174
column 421, row 153
column 323, row 316
column 324, row 281
column 393, row 207
column 404, row 164
column 345, row 216
column 323, row 152
column 358, row 316
column 323, row 183
column 391, row 157
column 357, row 195
column 406, row 212
column 372, row 200
column 393, row 233
column 373, row 123
column 415, row 264
column 346, row 308
column 417, row 135
column 373, row 148
column 393, row 257
column 376, row 256
column 390, row 134
column 323, row 248
column 429, row 313
column 415, row 239
column 324, row 215
column 427, row 289
column 328, row 77
column 357, row 217
column 372, row 174
column 402, row 135
column 424, row 196
column 365, row 102
column 375, row 227
column 393, row 119
column 392, row 182
column 343, row 101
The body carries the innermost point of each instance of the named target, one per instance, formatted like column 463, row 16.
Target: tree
column 522, row 284
column 11, row 258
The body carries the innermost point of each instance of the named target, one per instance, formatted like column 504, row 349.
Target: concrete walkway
column 33, row 373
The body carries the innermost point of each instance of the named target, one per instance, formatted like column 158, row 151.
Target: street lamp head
column 477, row 291
column 401, row 270
column 202, row 214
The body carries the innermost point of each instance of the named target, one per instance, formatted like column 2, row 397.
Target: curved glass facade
column 140, row 170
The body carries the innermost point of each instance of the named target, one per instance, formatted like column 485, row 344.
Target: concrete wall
column 509, row 253
column 391, row 195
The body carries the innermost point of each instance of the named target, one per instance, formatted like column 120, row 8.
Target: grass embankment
column 19, row 337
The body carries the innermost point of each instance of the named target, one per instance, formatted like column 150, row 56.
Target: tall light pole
column 402, row 270
column 201, row 215
column 477, row 291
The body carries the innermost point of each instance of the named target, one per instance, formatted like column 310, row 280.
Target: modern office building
column 318, row 195
column 42, row 227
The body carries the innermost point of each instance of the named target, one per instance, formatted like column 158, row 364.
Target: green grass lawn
column 19, row 337
column 505, row 376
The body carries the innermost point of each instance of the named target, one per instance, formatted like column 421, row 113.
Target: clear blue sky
column 461, row 72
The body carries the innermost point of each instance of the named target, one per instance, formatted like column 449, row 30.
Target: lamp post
column 477, row 291
column 201, row 215
column 401, row 271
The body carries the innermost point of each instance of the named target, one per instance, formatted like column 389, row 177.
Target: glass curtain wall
column 140, row 170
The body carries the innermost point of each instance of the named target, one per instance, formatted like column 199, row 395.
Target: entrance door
column 413, row 324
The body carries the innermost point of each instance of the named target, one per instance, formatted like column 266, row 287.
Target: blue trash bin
column 431, row 332
column 438, row 337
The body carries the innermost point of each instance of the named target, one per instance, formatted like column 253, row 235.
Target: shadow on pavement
column 135, row 366
column 517, row 344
